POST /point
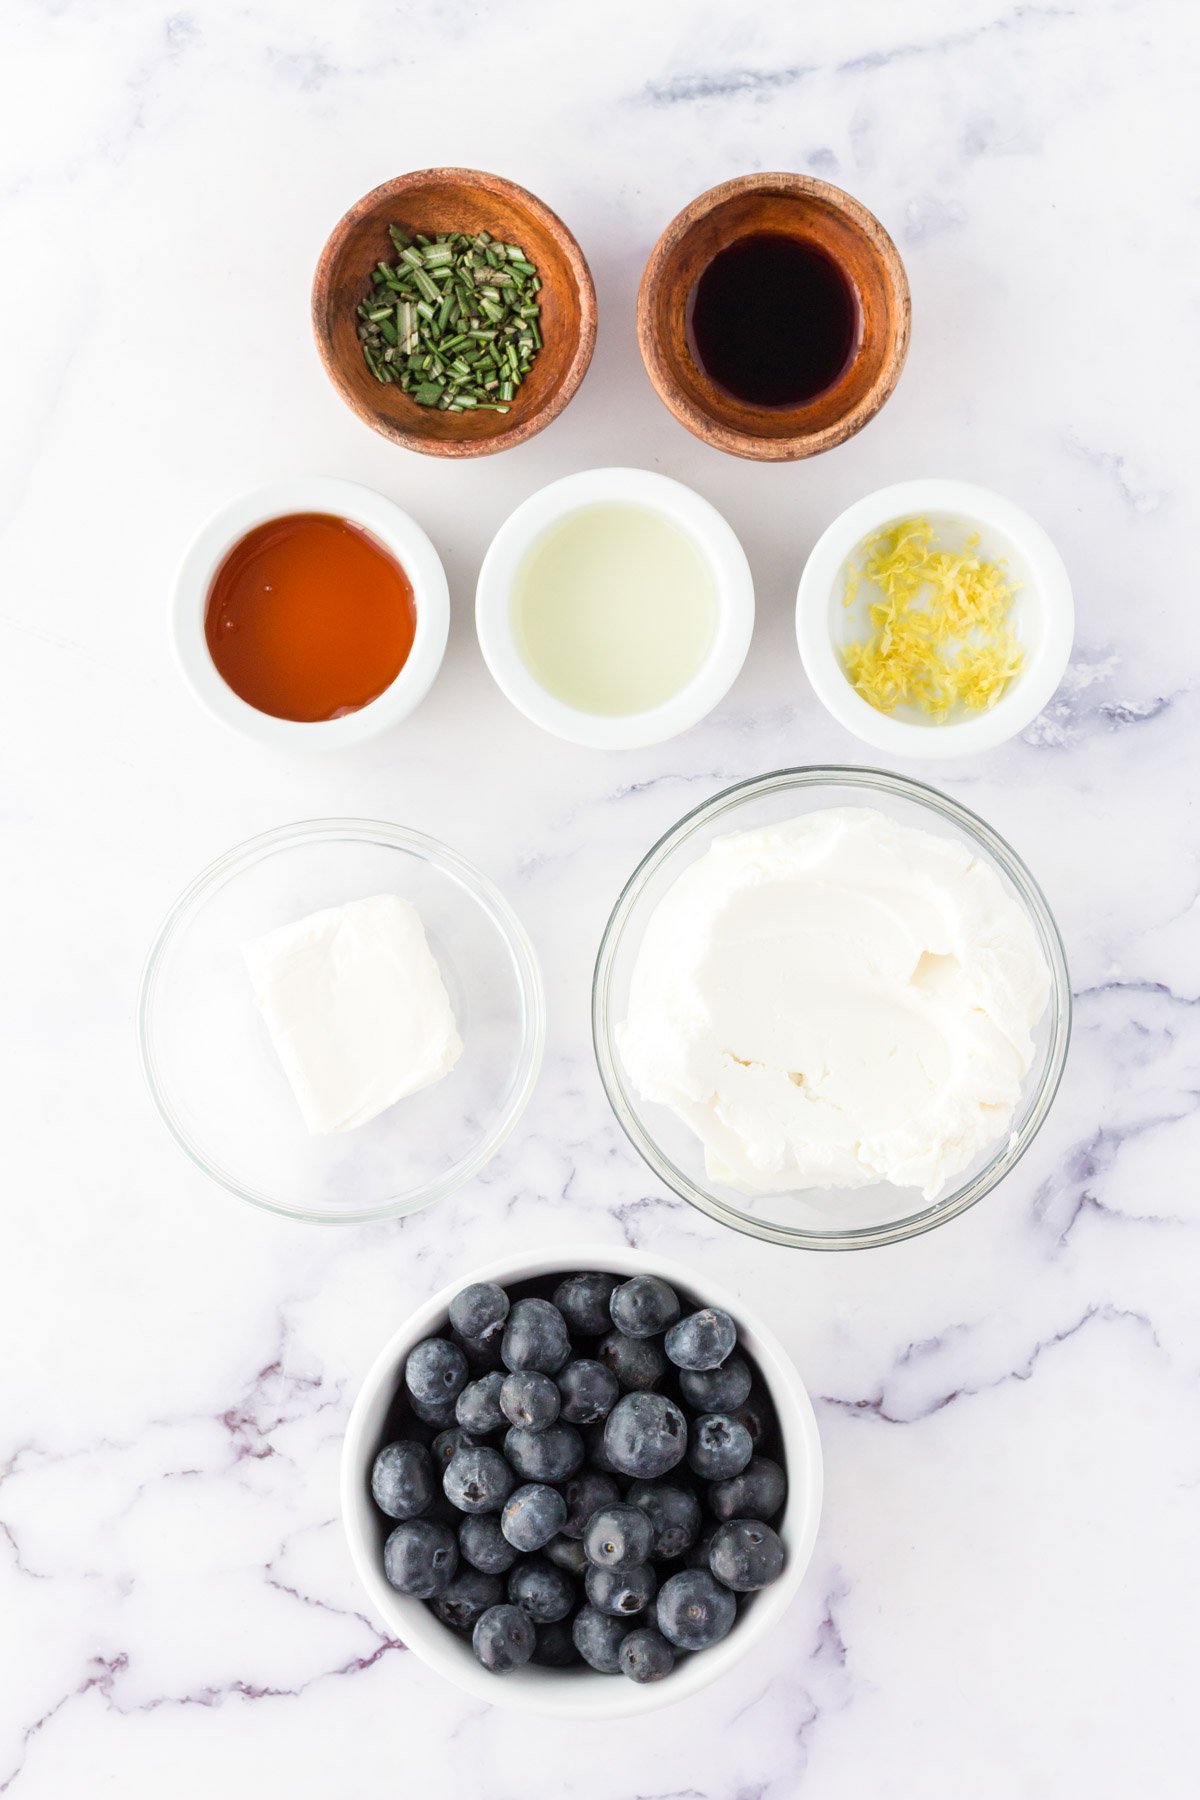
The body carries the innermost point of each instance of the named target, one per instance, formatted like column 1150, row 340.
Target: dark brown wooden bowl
column 433, row 200
column 801, row 207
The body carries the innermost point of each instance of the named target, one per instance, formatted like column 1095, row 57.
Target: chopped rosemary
column 453, row 321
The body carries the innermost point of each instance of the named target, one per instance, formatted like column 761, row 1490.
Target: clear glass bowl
column 213, row 1071
column 816, row 1219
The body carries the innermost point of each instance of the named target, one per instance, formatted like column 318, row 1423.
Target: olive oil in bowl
column 614, row 609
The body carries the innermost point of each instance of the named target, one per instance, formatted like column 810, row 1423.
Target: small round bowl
column 817, row 1219
column 795, row 206
column 1043, row 615
column 401, row 536
column 735, row 606
column 580, row 1693
column 468, row 200
column 212, row 1069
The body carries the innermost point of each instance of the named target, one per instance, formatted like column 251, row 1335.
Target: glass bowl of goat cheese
column 831, row 1008
column 341, row 1020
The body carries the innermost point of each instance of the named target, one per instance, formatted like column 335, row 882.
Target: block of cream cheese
column 356, row 1008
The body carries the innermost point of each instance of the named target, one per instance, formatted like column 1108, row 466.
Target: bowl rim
column 339, row 830
column 396, row 532
column 701, row 423
column 707, row 528
column 433, row 1642
column 1049, row 588
column 1007, row 1154
column 512, row 193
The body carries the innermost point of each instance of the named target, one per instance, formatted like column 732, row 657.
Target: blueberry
column 595, row 1455
column 532, row 1515
column 503, row 1639
column 540, row 1588
column 757, row 1415
column 618, row 1537
column 644, row 1307
column 746, row 1554
column 720, row 1390
column 439, row 1413
column 645, row 1435
column 467, row 1598
column 583, row 1302
column 478, row 1480
column 673, row 1512
column 621, row 1592
column 588, row 1391
column 567, row 1553
column 482, row 1543
column 694, row 1611
column 535, row 1337
column 598, row 1638
column 645, row 1655
column 479, row 1311
column 446, row 1446
column 477, row 1408
column 403, row 1480
column 637, row 1363
column 757, row 1493
column 435, row 1372
column 718, row 1447
column 550, row 1455
column 555, row 1647
column 585, row 1494
column 529, row 1400
column 483, row 1354
column 701, row 1341
column 420, row 1557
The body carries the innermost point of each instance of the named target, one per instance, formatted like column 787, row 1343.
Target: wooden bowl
column 796, row 206
column 433, row 200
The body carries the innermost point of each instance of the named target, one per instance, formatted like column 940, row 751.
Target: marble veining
column 1004, row 1593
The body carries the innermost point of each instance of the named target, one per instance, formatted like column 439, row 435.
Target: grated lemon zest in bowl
column 940, row 632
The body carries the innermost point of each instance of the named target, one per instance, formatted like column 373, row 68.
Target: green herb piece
column 452, row 322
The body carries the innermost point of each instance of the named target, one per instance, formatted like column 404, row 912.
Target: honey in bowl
column 309, row 618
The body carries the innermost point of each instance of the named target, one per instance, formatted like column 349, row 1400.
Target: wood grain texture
column 797, row 206
column 467, row 200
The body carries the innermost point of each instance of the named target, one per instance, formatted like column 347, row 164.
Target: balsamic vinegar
column 773, row 320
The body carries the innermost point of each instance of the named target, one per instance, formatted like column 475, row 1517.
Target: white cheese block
column 356, row 1008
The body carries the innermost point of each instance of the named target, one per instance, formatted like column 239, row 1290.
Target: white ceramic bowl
column 735, row 607
column 397, row 533
column 1043, row 615
column 579, row 1693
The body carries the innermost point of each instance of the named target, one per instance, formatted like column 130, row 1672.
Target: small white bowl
column 580, row 1693
column 401, row 536
column 735, row 607
column 1043, row 615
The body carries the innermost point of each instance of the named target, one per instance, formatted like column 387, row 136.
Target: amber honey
column 309, row 618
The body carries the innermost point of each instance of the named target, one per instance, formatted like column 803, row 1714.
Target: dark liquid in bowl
column 773, row 320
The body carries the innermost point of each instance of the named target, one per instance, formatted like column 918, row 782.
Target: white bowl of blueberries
column 580, row 1464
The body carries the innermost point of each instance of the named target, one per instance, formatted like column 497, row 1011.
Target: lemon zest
column 940, row 631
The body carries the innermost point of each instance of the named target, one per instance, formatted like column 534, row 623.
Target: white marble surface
column 1005, row 1593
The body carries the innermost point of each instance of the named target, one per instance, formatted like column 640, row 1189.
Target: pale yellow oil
column 614, row 609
